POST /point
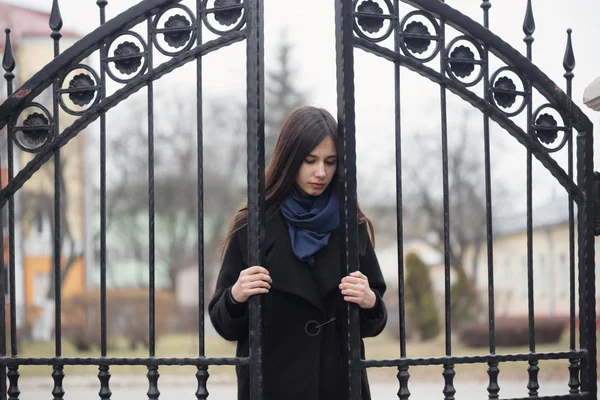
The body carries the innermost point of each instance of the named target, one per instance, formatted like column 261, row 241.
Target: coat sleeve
column 230, row 320
column 372, row 321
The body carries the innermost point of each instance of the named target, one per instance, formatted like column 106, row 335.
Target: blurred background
column 299, row 69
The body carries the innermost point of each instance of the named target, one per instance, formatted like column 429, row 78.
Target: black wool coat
column 297, row 366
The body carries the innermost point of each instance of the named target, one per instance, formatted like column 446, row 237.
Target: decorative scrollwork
column 177, row 32
column 178, row 38
column 465, row 57
column 129, row 58
column 370, row 24
column 546, row 128
column 227, row 16
column 506, row 95
column 83, row 89
column 84, row 95
column 504, row 92
column 35, row 130
column 38, row 129
column 462, row 69
column 224, row 13
column 416, row 44
column 416, row 37
column 370, row 18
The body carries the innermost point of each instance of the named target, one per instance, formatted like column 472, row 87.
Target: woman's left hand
column 355, row 289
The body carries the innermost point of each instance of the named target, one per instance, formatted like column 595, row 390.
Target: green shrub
column 421, row 310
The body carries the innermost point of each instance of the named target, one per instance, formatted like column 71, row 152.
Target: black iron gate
column 360, row 24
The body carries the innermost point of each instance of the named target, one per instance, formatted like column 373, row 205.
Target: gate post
column 346, row 148
column 587, row 280
column 256, row 179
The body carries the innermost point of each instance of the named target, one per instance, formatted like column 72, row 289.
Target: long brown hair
column 302, row 131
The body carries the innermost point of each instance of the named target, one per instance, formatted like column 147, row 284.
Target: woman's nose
column 320, row 172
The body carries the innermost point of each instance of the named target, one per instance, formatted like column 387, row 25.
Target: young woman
column 303, row 283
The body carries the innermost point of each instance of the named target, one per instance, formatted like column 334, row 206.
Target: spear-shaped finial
column 529, row 23
column 8, row 61
column 569, row 60
column 56, row 21
column 486, row 5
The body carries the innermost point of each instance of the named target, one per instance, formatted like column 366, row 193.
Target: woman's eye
column 330, row 162
column 309, row 161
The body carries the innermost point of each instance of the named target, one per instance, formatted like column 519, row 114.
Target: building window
column 542, row 279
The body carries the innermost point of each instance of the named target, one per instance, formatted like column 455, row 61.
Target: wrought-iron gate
column 360, row 24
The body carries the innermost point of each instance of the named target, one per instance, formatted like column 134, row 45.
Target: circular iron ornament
column 369, row 17
column 83, row 89
column 546, row 129
column 415, row 37
column 462, row 61
column 128, row 58
column 179, row 31
column 227, row 13
column 503, row 92
column 36, row 130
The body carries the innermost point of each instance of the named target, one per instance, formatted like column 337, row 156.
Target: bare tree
column 282, row 94
column 176, row 183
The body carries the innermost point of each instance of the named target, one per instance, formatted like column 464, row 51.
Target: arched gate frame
column 359, row 24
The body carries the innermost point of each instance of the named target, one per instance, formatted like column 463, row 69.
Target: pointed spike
column 56, row 21
column 529, row 22
column 8, row 61
column 569, row 60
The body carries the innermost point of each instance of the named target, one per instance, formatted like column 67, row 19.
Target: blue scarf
column 310, row 221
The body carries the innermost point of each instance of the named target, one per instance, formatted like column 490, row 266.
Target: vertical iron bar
column 448, row 371
column 58, row 370
column 256, row 180
column 153, row 374
column 493, row 370
column 103, row 65
column 403, row 374
column 346, row 148
column 533, row 369
column 587, row 276
column 13, row 371
column 202, row 370
column 569, row 66
column 8, row 64
column 151, row 205
column 103, row 370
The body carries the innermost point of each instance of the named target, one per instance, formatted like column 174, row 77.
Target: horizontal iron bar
column 401, row 362
column 204, row 361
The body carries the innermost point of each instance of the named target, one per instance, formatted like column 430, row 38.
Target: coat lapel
column 289, row 274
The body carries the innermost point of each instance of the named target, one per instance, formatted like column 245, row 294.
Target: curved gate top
column 417, row 40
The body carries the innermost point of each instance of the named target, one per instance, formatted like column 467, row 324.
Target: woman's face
column 318, row 168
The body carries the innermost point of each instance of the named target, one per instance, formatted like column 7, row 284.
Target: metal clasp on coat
column 313, row 328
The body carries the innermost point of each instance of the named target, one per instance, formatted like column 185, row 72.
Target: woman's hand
column 355, row 289
column 253, row 280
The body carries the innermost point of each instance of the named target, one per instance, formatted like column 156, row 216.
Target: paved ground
column 135, row 388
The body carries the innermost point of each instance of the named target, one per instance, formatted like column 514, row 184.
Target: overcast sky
column 309, row 25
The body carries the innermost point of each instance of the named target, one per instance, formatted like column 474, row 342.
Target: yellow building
column 34, row 241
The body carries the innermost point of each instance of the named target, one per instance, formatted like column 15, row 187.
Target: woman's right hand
column 253, row 280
